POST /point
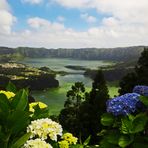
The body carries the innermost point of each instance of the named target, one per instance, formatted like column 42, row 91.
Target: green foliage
column 40, row 113
column 125, row 140
column 11, row 87
column 76, row 95
column 125, row 131
column 20, row 101
column 144, row 100
column 107, row 119
column 21, row 141
column 138, row 76
column 14, row 118
column 135, row 124
column 69, row 117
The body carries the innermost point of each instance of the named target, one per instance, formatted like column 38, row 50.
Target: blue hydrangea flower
column 124, row 104
column 141, row 89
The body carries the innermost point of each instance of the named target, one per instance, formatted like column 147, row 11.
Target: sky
column 73, row 23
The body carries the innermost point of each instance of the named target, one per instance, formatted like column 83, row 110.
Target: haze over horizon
column 73, row 24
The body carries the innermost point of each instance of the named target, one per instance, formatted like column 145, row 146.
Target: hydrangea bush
column 126, row 120
column 123, row 105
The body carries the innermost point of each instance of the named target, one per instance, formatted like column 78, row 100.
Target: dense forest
column 113, row 54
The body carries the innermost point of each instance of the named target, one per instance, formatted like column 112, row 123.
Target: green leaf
column 105, row 144
column 113, row 137
column 40, row 112
column 11, row 87
column 144, row 100
column 139, row 123
column 126, row 125
column 4, row 104
column 107, row 119
column 21, row 141
column 18, row 121
column 20, row 101
column 87, row 141
column 125, row 140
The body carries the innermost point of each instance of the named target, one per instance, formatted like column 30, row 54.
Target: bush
column 126, row 120
column 28, row 125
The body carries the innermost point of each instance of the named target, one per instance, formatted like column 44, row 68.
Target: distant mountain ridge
column 114, row 54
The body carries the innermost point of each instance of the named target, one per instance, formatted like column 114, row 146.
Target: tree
column 82, row 111
column 127, row 83
column 142, row 68
column 138, row 77
column 69, row 115
column 99, row 93
column 91, row 110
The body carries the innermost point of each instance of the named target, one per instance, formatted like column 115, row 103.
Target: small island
column 25, row 76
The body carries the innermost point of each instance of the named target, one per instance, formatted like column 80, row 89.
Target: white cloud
column 88, row 18
column 6, row 18
column 74, row 3
column 32, row 1
column 41, row 25
column 126, row 26
column 38, row 23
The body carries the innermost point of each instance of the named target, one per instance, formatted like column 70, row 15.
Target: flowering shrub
column 17, row 115
column 45, row 131
column 123, row 105
column 44, row 128
column 126, row 121
column 141, row 89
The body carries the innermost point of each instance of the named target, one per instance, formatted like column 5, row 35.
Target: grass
column 113, row 88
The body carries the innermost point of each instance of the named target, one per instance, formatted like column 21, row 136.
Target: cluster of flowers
column 123, row 105
column 127, row 103
column 142, row 90
column 37, row 143
column 67, row 139
column 44, row 128
column 7, row 93
column 33, row 104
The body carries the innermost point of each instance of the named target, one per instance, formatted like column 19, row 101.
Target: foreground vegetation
column 25, row 125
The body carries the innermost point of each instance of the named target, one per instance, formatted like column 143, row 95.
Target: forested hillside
column 117, row 54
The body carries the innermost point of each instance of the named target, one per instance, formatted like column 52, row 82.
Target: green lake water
column 55, row 97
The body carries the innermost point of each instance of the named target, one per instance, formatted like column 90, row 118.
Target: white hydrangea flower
column 37, row 143
column 44, row 128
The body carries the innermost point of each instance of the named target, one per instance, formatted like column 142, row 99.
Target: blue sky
column 72, row 17
column 73, row 23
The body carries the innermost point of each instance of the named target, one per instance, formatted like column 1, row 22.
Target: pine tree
column 91, row 110
column 99, row 93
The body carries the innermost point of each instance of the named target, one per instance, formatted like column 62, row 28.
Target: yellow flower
column 8, row 94
column 63, row 144
column 70, row 138
column 40, row 104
